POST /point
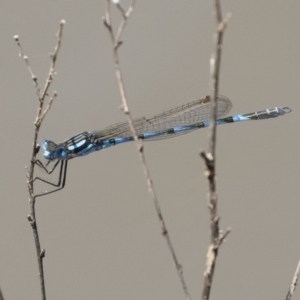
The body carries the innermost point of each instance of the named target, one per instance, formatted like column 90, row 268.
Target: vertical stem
column 210, row 157
column 116, row 44
column 41, row 95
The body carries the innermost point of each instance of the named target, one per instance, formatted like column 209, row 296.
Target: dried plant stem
column 216, row 237
column 116, row 43
column 294, row 283
column 41, row 95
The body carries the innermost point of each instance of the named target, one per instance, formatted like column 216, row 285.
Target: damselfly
column 171, row 123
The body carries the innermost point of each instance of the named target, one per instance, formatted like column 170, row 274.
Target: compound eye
column 45, row 145
column 60, row 153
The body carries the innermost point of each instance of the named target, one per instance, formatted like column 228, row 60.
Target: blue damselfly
column 171, row 123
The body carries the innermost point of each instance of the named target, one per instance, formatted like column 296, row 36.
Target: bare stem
column 41, row 95
column 294, row 283
column 216, row 238
column 116, row 41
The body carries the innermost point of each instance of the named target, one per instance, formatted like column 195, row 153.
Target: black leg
column 61, row 179
column 41, row 165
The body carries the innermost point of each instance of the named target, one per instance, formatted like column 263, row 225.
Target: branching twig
column 40, row 120
column 26, row 59
column 294, row 283
column 116, row 43
column 216, row 238
column 41, row 95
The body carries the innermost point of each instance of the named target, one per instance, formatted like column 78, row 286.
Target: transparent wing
column 188, row 114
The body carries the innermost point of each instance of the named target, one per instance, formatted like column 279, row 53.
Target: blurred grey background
column 101, row 233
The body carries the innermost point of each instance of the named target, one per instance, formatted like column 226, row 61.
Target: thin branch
column 26, row 59
column 54, row 95
column 216, row 238
column 116, row 43
column 223, row 236
column 294, row 283
column 41, row 95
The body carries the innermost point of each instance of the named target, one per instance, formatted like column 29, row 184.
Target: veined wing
column 188, row 114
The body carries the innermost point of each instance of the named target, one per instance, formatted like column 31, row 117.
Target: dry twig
column 41, row 96
column 216, row 238
column 116, row 44
column 294, row 283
